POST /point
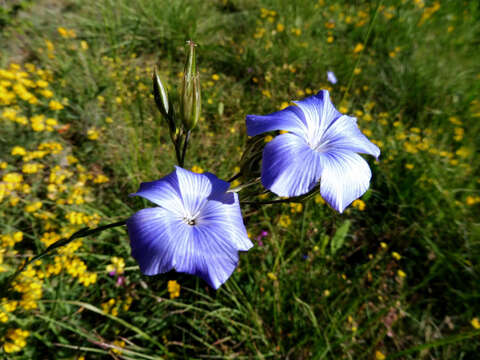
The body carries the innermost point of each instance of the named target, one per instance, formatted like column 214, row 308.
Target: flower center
column 189, row 221
column 322, row 145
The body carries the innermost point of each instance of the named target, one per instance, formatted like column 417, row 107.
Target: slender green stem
column 271, row 202
column 185, row 145
column 177, row 143
column 243, row 186
column 234, row 177
column 62, row 242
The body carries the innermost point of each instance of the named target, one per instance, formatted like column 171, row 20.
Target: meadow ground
column 396, row 276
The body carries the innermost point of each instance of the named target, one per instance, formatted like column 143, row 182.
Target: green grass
column 327, row 286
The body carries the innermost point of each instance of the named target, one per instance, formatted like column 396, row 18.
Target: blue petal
column 344, row 134
column 289, row 119
column 226, row 221
column 164, row 192
column 289, row 166
column 154, row 235
column 196, row 189
column 345, row 177
column 319, row 113
column 183, row 191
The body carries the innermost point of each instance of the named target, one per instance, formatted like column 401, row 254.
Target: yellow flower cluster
column 428, row 12
column 113, row 306
column 122, row 74
column 10, row 240
column 36, row 176
column 66, row 33
column 6, row 307
column 79, row 218
column 267, row 27
column 296, row 208
column 284, row 221
column 27, row 86
column 7, row 243
column 472, row 200
column 15, row 340
column 29, row 284
column 117, row 265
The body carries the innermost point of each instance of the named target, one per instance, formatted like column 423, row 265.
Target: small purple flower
column 331, row 77
column 264, row 233
column 197, row 227
column 321, row 145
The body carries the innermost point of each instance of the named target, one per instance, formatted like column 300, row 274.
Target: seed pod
column 190, row 102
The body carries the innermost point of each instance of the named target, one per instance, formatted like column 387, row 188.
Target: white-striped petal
column 345, row 177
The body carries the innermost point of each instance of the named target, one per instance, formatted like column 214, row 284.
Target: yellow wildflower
column 32, row 168
column 319, row 199
column 46, row 93
column 63, row 32
column 284, row 221
column 475, row 323
column 18, row 150
column 297, row 31
column 100, row 179
column 173, row 288
column 55, row 105
column 120, row 344
column 33, row 206
column 197, row 169
column 359, row 204
column 93, row 133
column 117, row 265
column 358, row 48
column 272, row 276
column 396, row 255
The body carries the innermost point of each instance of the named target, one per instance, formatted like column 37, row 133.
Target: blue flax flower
column 321, row 144
column 331, row 77
column 197, row 227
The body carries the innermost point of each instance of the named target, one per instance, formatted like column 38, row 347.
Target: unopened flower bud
column 164, row 105
column 160, row 94
column 190, row 102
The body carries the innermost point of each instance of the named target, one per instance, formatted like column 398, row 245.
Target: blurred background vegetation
column 395, row 276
